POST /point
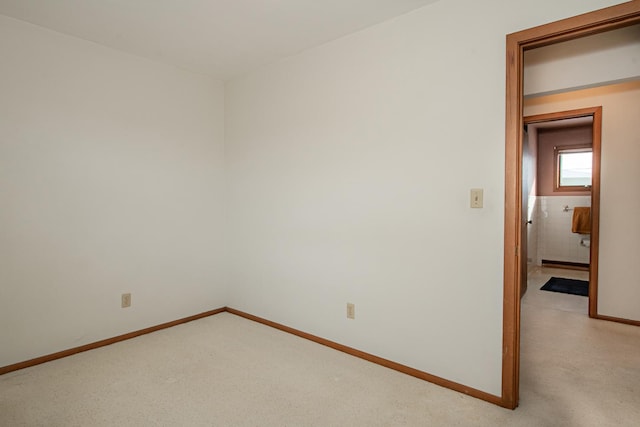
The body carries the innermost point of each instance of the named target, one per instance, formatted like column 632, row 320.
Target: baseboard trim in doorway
column 565, row 264
column 102, row 343
column 617, row 319
column 375, row 359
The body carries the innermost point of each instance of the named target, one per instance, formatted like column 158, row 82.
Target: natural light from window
column 575, row 168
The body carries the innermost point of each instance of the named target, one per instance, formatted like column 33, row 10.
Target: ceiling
column 221, row 38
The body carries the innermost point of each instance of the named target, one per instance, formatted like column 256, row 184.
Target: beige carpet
column 228, row 371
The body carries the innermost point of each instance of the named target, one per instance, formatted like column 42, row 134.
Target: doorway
column 549, row 206
column 572, row 28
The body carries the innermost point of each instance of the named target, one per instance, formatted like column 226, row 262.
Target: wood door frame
column 596, row 144
column 567, row 29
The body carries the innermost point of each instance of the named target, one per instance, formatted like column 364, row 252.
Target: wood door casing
column 596, row 126
column 599, row 21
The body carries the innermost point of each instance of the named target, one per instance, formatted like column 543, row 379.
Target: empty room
column 314, row 213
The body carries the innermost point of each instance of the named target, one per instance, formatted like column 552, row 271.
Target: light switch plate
column 476, row 197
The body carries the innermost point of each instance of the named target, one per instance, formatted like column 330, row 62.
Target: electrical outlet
column 351, row 311
column 126, row 300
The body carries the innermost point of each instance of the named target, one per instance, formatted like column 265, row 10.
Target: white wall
column 111, row 175
column 583, row 62
column 349, row 169
column 619, row 250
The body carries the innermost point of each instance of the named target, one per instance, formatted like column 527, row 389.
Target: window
column 573, row 168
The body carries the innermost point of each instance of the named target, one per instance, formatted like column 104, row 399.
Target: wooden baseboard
column 565, row 264
column 336, row 346
column 617, row 319
column 102, row 343
column 377, row 360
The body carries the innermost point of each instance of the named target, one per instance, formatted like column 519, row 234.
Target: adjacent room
column 189, row 189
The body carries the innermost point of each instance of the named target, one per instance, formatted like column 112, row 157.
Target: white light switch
column 476, row 197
